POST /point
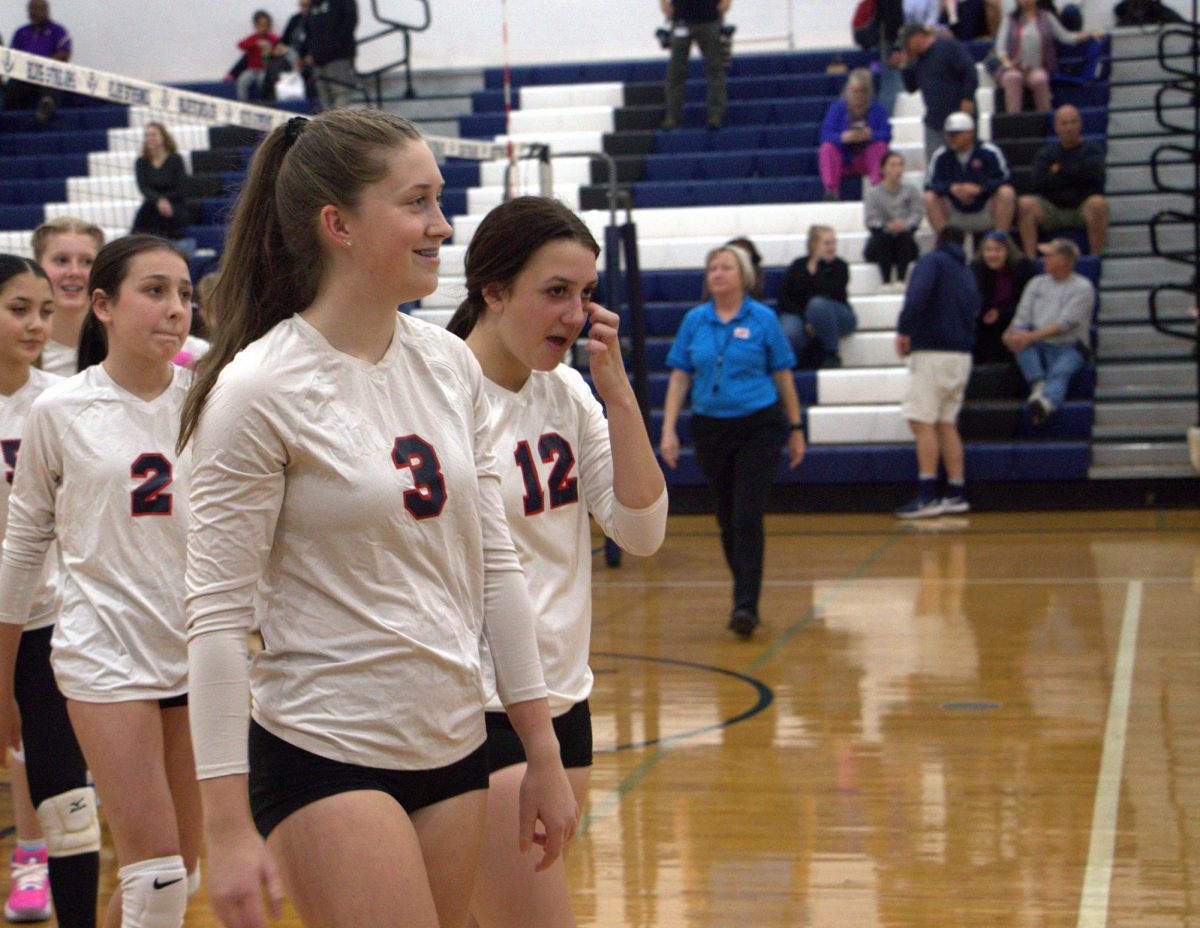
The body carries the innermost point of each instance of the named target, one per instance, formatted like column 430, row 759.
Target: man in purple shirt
column 40, row 36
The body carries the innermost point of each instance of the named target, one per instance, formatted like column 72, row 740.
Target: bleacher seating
column 692, row 189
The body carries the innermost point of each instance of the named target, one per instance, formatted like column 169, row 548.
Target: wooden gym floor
column 982, row 722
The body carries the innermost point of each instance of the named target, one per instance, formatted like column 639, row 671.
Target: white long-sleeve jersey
column 555, row 460
column 99, row 475
column 365, row 499
column 14, row 410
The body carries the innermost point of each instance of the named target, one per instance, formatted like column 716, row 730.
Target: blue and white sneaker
column 955, row 505
column 917, row 508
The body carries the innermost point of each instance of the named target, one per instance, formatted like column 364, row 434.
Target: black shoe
column 45, row 109
column 1039, row 410
column 743, row 622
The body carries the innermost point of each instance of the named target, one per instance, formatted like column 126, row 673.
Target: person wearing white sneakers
column 935, row 333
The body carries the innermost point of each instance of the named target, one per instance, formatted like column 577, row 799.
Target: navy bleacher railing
column 1185, row 83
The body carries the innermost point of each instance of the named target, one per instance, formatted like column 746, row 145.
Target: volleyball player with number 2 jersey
column 98, row 475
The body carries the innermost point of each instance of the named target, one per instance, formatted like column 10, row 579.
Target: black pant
column 739, row 458
column 55, row 765
column 19, row 95
column 888, row 250
column 150, row 221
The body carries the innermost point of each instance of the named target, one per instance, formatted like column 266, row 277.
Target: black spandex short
column 573, row 728
column 285, row 779
column 173, row 702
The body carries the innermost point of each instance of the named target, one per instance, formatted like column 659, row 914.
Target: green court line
column 609, row 803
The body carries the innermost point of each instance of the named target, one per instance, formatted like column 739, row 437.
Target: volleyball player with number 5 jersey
column 531, row 272
column 345, row 490
column 98, row 475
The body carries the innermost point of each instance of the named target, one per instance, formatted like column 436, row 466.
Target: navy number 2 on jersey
column 148, row 498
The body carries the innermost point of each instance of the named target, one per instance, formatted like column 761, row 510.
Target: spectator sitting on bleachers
column 1001, row 273
column 854, row 135
column 40, row 36
column 968, row 184
column 257, row 48
column 288, row 53
column 1050, row 332
column 1025, row 55
column 759, row 287
column 1068, row 187
column 943, row 71
column 892, row 212
column 160, row 175
column 934, row 333
column 813, row 306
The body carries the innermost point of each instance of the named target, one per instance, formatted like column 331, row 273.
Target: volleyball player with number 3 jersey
column 531, row 271
column 345, row 488
column 98, row 475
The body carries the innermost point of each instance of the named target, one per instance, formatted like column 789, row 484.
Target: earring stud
column 346, row 242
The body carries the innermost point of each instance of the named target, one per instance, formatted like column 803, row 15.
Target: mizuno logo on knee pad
column 70, row 823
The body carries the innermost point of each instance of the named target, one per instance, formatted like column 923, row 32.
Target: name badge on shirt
column 741, row 332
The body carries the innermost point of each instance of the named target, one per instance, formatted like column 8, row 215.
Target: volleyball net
column 76, row 155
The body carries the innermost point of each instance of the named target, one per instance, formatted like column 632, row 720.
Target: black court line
column 765, row 697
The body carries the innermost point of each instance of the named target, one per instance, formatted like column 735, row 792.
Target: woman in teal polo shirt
column 734, row 356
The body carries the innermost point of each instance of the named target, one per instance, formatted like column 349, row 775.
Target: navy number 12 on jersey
column 564, row 489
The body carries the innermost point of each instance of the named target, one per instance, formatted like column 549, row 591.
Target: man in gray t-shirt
column 1049, row 333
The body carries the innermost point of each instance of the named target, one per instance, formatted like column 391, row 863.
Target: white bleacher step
column 751, row 220
column 19, row 243
column 563, row 119
column 880, row 310
column 186, row 135
column 528, row 179
column 107, row 213
column 439, row 316
column 113, row 187
column 864, row 424
column 862, row 386
column 482, row 199
column 121, row 162
column 870, row 349
column 565, row 96
column 570, row 140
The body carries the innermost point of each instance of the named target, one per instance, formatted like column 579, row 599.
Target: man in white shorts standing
column 935, row 333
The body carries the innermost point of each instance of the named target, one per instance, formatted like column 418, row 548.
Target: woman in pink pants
column 854, row 135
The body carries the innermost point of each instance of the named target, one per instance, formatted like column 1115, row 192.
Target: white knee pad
column 194, row 881
column 70, row 823
column 154, row 893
